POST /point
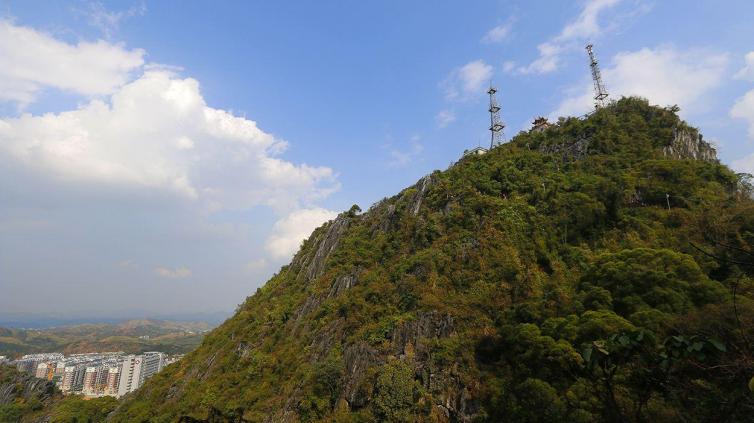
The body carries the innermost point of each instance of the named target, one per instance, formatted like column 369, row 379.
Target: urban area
column 94, row 374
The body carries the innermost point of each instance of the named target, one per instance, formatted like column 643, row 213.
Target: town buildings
column 96, row 374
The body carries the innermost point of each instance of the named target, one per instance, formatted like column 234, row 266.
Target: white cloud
column 664, row 75
column 585, row 26
column 445, row 118
column 403, row 157
column 177, row 273
column 498, row 33
column 108, row 21
column 291, row 230
column 33, row 60
column 744, row 109
column 509, row 66
column 467, row 81
column 744, row 164
column 157, row 133
column 747, row 72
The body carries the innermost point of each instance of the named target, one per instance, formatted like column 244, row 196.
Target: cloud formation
column 289, row 232
column 498, row 33
column 158, row 133
column 467, row 81
column 445, row 118
column 747, row 72
column 33, row 60
column 664, row 75
column 177, row 273
column 584, row 27
column 140, row 167
column 108, row 21
column 744, row 109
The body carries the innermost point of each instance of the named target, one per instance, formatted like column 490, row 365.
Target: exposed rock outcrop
column 358, row 359
column 421, row 189
column 688, row 143
column 312, row 265
column 569, row 150
column 426, row 325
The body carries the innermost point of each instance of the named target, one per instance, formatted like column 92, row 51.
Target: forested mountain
column 598, row 270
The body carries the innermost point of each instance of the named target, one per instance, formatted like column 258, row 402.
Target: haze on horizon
column 167, row 157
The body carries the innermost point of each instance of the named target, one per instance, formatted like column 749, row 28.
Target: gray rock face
column 689, row 144
column 313, row 265
column 421, row 187
column 358, row 359
column 569, row 150
column 426, row 325
column 341, row 284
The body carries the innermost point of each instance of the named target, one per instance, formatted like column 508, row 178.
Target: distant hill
column 598, row 270
column 130, row 336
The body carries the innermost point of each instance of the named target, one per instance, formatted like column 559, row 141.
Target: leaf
column 717, row 344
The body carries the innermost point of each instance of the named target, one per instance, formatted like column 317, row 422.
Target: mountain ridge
column 566, row 274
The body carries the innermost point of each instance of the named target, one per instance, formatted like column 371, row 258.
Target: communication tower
column 497, row 136
column 600, row 93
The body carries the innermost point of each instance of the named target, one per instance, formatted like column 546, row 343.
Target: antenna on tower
column 497, row 136
column 600, row 93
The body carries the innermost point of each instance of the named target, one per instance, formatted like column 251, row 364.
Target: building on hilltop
column 476, row 151
column 540, row 124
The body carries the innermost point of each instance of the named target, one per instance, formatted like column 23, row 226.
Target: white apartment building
column 152, row 363
column 130, row 374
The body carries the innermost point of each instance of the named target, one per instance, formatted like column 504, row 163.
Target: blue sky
column 163, row 156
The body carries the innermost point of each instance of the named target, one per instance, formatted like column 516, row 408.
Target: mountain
column 130, row 336
column 596, row 270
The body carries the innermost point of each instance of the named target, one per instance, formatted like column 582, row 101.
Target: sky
column 163, row 157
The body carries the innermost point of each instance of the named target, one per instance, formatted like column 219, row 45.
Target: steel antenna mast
column 600, row 93
column 497, row 136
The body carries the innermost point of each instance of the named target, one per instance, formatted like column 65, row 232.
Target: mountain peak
column 543, row 280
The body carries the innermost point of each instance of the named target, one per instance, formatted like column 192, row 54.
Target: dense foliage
column 576, row 274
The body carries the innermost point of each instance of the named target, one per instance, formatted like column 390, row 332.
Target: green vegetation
column 545, row 280
column 129, row 336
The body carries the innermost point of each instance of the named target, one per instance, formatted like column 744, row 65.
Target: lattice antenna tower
column 497, row 136
column 600, row 93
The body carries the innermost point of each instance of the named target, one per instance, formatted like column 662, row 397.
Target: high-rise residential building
column 90, row 381
column 46, row 370
column 152, row 363
column 57, row 375
column 41, row 372
column 113, row 377
column 130, row 374
column 73, row 378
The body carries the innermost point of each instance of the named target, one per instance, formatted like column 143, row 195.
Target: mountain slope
column 547, row 279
